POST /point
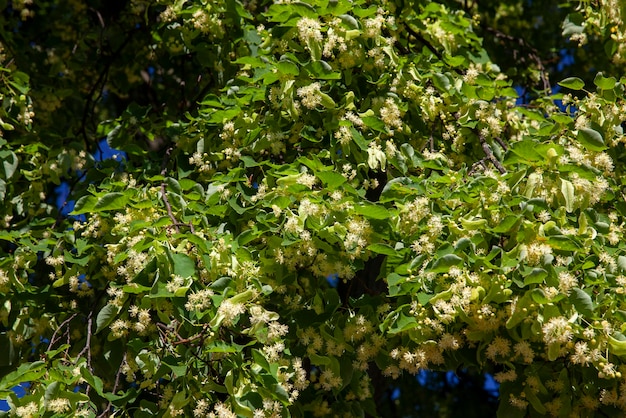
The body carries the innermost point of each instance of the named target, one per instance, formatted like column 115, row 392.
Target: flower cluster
column 310, row 95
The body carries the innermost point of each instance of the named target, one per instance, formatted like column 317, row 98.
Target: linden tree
column 293, row 208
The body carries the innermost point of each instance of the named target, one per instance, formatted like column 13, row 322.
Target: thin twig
column 487, row 150
column 501, row 142
column 87, row 347
column 115, row 385
column 106, row 411
column 170, row 213
column 169, row 207
column 475, row 166
column 423, row 40
column 118, row 374
column 54, row 338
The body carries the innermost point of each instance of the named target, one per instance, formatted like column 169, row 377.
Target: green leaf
column 223, row 347
column 248, row 161
column 9, row 163
column 318, row 360
column 521, row 309
column 403, row 323
column 618, row 347
column 506, row 410
column 349, row 21
column 373, row 211
column 315, row 48
column 321, row 70
column 394, row 280
column 537, row 275
column 82, row 261
column 382, row 249
column 534, row 400
column 26, row 372
column 374, row 123
column 173, row 185
column 178, row 368
column 523, row 151
column 582, row 301
column 106, row 315
column 441, row 81
column 84, row 205
column 573, row 83
column 327, row 101
column 554, row 349
column 360, row 141
column 562, row 119
column 424, row 298
column 567, row 188
column 52, row 391
column 93, row 381
column 573, row 24
column 604, row 83
column 621, row 262
column 331, row 179
column 111, row 201
column 564, row 242
column 506, row 224
column 443, row 264
column 288, row 67
column 462, row 244
column 591, row 139
column 184, row 266
column 234, row 204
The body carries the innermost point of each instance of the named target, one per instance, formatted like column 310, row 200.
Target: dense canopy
column 293, row 208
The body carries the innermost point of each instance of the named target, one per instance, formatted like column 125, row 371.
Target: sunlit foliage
column 309, row 201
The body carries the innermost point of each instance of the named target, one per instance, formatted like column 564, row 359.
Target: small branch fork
column 55, row 337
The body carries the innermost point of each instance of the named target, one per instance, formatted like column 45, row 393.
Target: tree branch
column 168, row 206
column 87, row 347
column 423, row 40
column 487, row 150
column 501, row 142
column 54, row 338
column 166, row 158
